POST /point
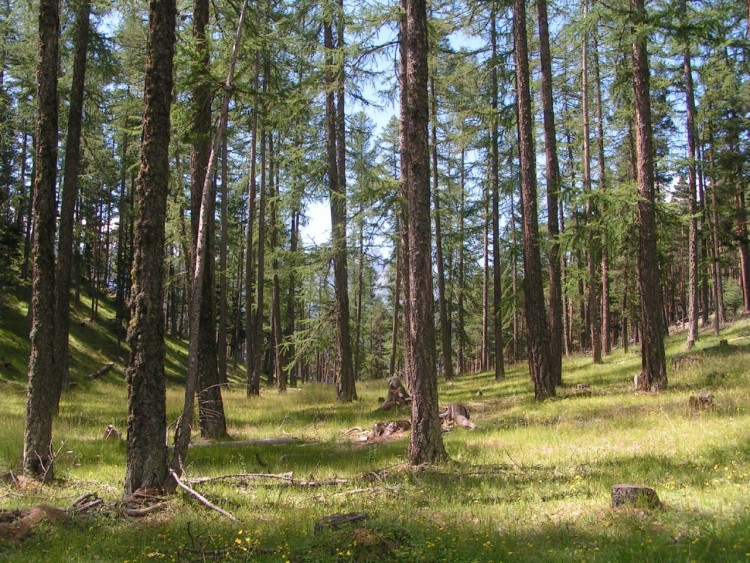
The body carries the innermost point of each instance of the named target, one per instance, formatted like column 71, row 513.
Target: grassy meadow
column 531, row 483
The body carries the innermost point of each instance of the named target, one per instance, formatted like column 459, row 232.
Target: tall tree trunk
column 555, row 312
column 221, row 338
column 484, row 364
column 345, row 389
column 692, row 195
column 396, row 307
column 461, row 324
column 653, row 362
column 252, row 386
column 592, row 243
column 445, row 328
column 276, row 335
column 69, row 195
column 426, row 443
column 536, row 318
column 41, row 394
column 146, row 462
column 606, row 327
column 291, row 303
column 210, row 404
column 497, row 269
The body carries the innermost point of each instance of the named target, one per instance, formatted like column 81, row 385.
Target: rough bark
column 653, row 364
column 555, row 312
column 70, row 195
column 44, row 379
column 536, row 318
column 146, row 461
column 426, row 441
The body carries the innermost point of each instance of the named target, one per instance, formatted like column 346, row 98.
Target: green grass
column 532, row 483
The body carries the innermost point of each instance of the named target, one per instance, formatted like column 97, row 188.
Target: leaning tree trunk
column 426, row 443
column 555, row 312
column 43, row 376
column 146, row 461
column 536, row 318
column 202, row 255
column 70, row 195
column 653, row 364
column 210, row 403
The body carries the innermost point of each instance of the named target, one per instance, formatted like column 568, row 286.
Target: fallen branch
column 284, row 476
column 138, row 512
column 101, row 371
column 199, row 497
column 236, row 443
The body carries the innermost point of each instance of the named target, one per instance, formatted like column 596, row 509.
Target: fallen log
column 385, row 429
column 240, row 443
column 458, row 415
column 337, row 520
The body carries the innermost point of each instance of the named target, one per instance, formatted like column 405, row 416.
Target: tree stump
column 337, row 520
column 703, row 401
column 397, row 394
column 634, row 495
column 385, row 429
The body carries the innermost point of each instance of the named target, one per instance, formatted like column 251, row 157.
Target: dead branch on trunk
column 203, row 500
column 101, row 371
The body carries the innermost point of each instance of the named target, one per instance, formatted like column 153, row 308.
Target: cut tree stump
column 634, row 495
column 337, row 520
column 701, row 402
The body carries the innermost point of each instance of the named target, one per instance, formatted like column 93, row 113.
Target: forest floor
column 531, row 483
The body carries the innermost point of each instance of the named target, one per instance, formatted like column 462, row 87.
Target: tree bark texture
column 44, row 377
column 146, row 462
column 426, row 442
column 536, row 318
column 653, row 364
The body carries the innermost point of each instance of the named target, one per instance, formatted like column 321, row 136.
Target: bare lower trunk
column 536, row 318
column 653, row 364
column 146, row 463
